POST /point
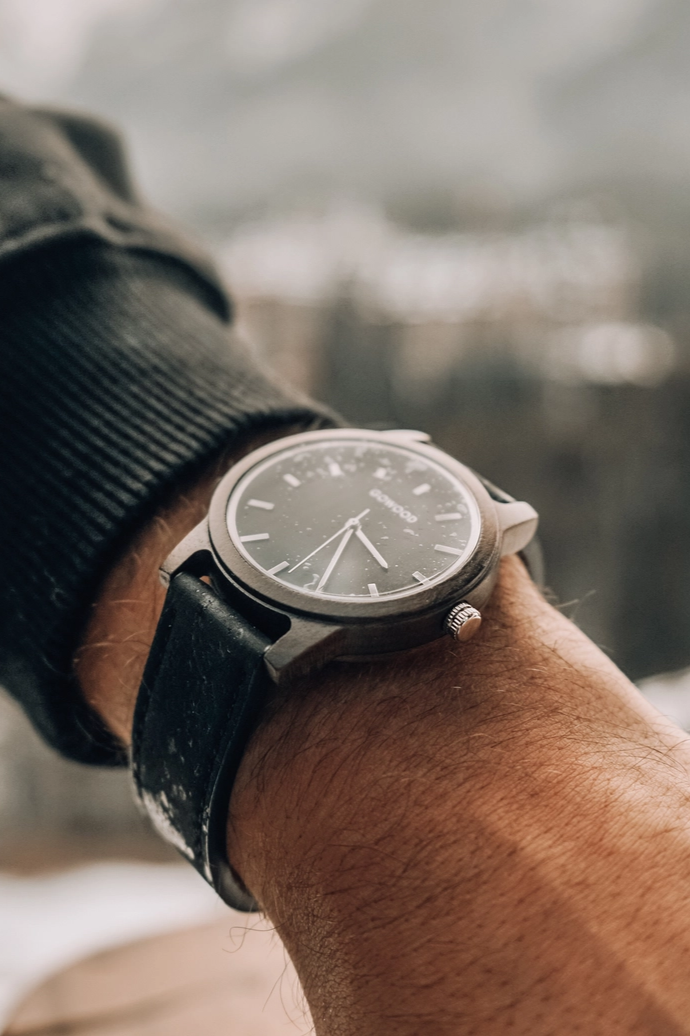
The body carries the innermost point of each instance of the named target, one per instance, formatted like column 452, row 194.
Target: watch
column 335, row 544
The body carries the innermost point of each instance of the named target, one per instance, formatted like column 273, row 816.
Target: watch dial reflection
column 353, row 519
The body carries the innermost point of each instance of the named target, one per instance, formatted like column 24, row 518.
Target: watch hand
column 371, row 548
column 336, row 557
column 348, row 524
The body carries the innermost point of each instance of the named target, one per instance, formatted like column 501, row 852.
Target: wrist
column 433, row 716
column 529, row 699
column 421, row 817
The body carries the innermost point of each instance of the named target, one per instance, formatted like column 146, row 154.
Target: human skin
column 489, row 838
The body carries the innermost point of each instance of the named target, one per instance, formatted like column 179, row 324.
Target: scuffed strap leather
column 202, row 693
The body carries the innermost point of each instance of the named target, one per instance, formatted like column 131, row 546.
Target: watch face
column 353, row 519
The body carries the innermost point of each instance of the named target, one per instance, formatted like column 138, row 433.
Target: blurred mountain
column 446, row 111
column 438, row 109
column 627, row 115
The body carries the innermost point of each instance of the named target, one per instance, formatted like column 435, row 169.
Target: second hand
column 350, row 523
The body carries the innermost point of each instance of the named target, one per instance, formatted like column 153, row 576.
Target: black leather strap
column 203, row 690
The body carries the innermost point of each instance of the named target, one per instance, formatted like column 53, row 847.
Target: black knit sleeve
column 119, row 376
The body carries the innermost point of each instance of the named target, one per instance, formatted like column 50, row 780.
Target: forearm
column 481, row 838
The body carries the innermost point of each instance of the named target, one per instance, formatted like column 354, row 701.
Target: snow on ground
column 49, row 921
column 670, row 694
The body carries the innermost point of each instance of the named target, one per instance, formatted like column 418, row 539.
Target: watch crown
column 462, row 621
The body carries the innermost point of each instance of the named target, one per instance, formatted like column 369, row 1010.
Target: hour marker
column 334, row 468
column 278, row 568
column 449, row 550
column 381, row 473
column 255, row 536
column 452, row 516
column 292, row 481
column 263, row 504
column 420, row 577
column 373, row 589
column 424, row 488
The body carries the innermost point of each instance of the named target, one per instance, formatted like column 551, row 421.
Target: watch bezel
column 231, row 561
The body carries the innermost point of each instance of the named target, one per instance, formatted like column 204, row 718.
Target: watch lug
column 191, row 554
column 518, row 521
column 306, row 645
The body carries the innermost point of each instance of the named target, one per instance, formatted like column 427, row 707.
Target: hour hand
column 371, row 548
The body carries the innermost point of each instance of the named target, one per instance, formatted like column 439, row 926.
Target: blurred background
column 468, row 216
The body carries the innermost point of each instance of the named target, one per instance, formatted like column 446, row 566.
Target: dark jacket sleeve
column 119, row 376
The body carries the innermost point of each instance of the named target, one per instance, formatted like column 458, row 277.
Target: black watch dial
column 353, row 519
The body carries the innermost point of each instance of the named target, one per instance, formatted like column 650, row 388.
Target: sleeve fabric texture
column 119, row 377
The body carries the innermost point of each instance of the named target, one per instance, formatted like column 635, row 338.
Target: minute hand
column 336, row 557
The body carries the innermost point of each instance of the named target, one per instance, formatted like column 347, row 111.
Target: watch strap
column 202, row 693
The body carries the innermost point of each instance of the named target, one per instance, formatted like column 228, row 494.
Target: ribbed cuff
column 118, row 379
